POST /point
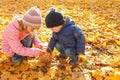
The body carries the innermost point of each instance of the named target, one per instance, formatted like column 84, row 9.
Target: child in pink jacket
column 18, row 37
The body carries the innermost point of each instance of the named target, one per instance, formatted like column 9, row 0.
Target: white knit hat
column 32, row 18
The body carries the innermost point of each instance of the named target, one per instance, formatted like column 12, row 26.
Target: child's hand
column 41, row 47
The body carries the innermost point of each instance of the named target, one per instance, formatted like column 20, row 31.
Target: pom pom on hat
column 54, row 18
column 52, row 9
column 32, row 18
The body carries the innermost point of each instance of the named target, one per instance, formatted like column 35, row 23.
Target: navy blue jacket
column 70, row 36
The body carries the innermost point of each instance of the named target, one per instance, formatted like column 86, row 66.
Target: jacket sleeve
column 15, row 44
column 51, row 44
column 37, row 41
column 80, row 40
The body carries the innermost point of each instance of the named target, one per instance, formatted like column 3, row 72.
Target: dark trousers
column 69, row 52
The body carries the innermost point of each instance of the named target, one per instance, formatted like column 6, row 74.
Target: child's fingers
column 41, row 47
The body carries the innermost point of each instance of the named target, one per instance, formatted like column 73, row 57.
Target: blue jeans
column 69, row 52
column 27, row 42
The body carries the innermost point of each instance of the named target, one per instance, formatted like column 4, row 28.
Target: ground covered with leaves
column 100, row 22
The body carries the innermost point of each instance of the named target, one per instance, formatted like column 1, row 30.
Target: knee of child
column 57, row 45
column 69, row 52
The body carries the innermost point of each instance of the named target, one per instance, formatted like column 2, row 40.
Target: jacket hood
column 68, row 21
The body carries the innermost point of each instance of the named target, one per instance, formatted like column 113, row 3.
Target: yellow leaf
column 45, row 77
column 118, row 42
column 3, row 56
column 82, row 58
column 30, row 78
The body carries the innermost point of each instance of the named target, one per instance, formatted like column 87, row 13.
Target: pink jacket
column 11, row 42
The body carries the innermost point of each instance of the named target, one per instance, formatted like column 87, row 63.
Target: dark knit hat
column 54, row 18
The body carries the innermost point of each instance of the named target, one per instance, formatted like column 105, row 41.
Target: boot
column 16, row 61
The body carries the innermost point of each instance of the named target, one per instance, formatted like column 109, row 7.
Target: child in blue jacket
column 66, row 37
